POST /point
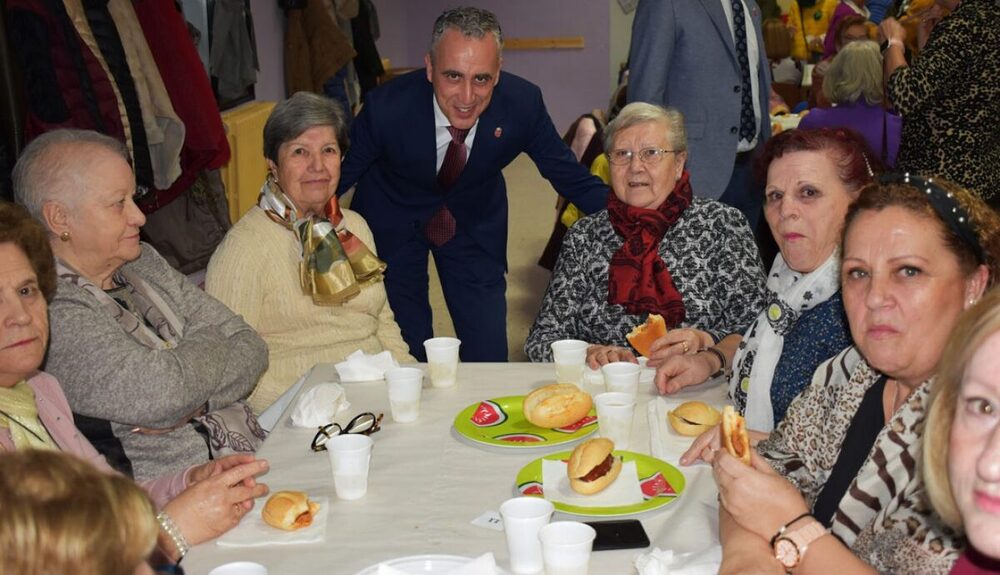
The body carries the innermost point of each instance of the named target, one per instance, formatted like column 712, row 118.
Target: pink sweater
column 55, row 415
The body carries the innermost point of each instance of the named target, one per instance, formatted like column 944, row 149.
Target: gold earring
column 64, row 236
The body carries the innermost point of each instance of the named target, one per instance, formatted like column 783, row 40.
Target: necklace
column 23, row 426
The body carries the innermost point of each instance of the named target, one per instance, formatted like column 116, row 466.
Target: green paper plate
column 500, row 421
column 661, row 483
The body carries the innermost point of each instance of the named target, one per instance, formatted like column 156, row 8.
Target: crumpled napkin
column 318, row 405
column 360, row 366
column 659, row 562
column 253, row 532
column 624, row 491
column 485, row 564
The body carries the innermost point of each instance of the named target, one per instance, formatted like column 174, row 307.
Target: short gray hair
column 642, row 112
column 855, row 73
column 42, row 175
column 472, row 22
column 304, row 110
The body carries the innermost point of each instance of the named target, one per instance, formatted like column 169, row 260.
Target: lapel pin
column 498, row 132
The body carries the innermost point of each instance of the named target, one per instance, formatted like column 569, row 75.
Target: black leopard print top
column 949, row 99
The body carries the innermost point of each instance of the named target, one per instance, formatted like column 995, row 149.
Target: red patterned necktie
column 441, row 227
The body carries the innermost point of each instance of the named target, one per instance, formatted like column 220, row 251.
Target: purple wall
column 269, row 30
column 572, row 81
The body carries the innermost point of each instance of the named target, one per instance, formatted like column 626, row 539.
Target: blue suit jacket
column 683, row 56
column 393, row 160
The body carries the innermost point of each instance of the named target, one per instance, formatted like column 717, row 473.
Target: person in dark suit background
column 698, row 57
column 426, row 154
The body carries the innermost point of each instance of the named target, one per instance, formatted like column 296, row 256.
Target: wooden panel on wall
column 549, row 43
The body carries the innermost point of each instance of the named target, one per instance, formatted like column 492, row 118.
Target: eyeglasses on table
column 365, row 423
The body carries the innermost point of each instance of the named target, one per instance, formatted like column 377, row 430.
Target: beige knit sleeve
column 234, row 274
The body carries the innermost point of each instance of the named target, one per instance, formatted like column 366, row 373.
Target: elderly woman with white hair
column 155, row 370
column 853, row 83
column 299, row 268
column 656, row 249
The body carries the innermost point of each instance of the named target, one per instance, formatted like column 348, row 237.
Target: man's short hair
column 472, row 22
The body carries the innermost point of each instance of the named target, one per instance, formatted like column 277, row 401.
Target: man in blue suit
column 427, row 152
column 690, row 54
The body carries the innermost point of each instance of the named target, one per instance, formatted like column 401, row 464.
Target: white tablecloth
column 427, row 483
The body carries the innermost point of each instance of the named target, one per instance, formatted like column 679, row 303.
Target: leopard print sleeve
column 938, row 68
column 805, row 445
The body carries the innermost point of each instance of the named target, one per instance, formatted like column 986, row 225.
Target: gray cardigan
column 114, row 383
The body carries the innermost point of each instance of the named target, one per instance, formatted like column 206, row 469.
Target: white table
column 427, row 483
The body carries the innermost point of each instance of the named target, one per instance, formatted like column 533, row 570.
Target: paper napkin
column 659, row 562
column 318, row 405
column 624, row 491
column 253, row 532
column 360, row 366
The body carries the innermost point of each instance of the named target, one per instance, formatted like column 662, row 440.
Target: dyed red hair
column 856, row 165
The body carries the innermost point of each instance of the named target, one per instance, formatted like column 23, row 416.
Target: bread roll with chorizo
column 643, row 335
column 289, row 510
column 693, row 418
column 592, row 467
column 734, row 434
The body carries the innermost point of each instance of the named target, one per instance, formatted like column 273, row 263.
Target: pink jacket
column 56, row 416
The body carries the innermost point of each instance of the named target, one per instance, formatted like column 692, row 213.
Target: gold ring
column 685, row 344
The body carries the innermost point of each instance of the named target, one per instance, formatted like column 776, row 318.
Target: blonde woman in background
column 62, row 515
column 962, row 437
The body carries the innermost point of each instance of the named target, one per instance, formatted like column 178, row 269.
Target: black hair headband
column 947, row 207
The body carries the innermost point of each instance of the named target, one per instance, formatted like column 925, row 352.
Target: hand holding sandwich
column 759, row 499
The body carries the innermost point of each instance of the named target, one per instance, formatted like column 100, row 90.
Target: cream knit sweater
column 255, row 272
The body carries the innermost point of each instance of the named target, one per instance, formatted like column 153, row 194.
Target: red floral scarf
column 638, row 279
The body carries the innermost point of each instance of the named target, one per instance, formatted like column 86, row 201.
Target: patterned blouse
column 710, row 253
column 883, row 518
column 950, row 101
column 819, row 334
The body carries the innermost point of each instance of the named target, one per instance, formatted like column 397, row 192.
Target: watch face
column 786, row 552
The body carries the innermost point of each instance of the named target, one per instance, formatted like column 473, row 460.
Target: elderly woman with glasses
column 297, row 267
column 656, row 249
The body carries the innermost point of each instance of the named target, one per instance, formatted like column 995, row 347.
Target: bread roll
column 643, row 335
column 734, row 434
column 693, row 418
column 592, row 467
column 556, row 405
column 289, row 510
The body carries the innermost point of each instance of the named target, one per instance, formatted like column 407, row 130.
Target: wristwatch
column 789, row 547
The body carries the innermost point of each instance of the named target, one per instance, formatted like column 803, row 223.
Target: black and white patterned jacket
column 710, row 253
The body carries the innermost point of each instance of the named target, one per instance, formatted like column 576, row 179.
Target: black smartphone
column 623, row 534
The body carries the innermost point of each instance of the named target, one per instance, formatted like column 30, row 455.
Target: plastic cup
column 442, row 360
column 648, row 374
column 404, row 385
column 350, row 454
column 570, row 356
column 615, row 411
column 622, row 376
column 239, row 568
column 523, row 517
column 566, row 547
